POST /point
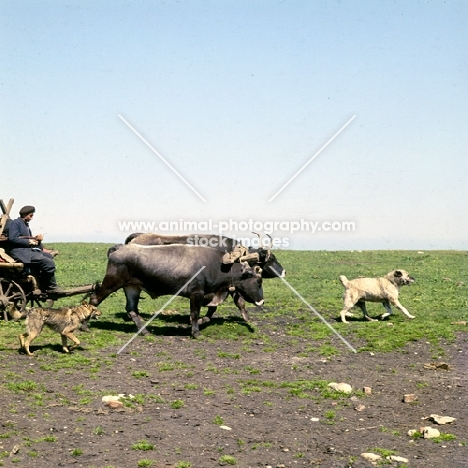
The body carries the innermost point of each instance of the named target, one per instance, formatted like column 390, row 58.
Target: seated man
column 26, row 248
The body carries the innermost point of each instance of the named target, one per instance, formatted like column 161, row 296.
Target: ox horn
column 262, row 246
column 271, row 246
column 259, row 238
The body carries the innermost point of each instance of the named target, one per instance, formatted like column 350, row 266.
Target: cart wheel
column 12, row 299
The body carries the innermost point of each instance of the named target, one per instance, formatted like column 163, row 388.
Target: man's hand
column 33, row 242
column 39, row 237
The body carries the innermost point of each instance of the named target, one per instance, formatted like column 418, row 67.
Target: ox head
column 267, row 260
column 248, row 282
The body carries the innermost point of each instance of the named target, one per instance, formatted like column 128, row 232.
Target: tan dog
column 385, row 290
column 64, row 321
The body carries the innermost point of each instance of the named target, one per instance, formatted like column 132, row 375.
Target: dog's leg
column 21, row 338
column 399, row 306
column 31, row 336
column 72, row 337
column 389, row 310
column 346, row 313
column 348, row 304
column 64, row 343
column 362, row 305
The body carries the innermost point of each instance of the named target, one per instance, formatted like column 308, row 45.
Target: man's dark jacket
column 18, row 237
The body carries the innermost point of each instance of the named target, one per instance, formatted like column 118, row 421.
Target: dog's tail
column 344, row 280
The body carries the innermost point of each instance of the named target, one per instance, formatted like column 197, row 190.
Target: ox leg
column 212, row 301
column 196, row 301
column 132, row 293
column 240, row 303
column 208, row 316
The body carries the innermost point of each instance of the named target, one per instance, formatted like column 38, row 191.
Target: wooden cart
column 18, row 287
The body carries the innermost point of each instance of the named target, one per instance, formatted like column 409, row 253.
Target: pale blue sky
column 237, row 96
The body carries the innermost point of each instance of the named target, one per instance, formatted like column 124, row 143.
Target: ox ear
column 258, row 270
column 398, row 274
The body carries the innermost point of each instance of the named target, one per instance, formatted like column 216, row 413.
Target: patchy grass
column 177, row 404
column 143, row 445
column 218, row 420
column 227, row 460
column 145, row 462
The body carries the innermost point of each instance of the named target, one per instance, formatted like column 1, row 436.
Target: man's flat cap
column 27, row 210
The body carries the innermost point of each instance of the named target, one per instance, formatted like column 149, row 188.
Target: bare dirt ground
column 211, row 403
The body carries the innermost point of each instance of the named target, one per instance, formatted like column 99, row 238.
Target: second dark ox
column 267, row 261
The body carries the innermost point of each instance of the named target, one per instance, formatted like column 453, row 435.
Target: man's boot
column 50, row 284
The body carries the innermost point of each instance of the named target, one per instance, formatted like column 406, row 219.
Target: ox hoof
column 196, row 335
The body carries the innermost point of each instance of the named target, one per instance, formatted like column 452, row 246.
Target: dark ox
column 266, row 260
column 163, row 270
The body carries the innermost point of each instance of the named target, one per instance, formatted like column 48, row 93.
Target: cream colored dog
column 384, row 290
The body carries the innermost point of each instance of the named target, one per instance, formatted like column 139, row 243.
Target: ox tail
column 344, row 280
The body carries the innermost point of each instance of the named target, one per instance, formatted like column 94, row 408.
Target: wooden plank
column 18, row 266
column 6, row 209
column 6, row 258
column 3, row 206
column 72, row 292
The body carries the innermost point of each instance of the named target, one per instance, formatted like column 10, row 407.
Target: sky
column 350, row 115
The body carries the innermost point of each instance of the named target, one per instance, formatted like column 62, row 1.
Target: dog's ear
column 398, row 274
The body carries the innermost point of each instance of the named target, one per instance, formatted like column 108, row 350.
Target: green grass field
column 437, row 299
